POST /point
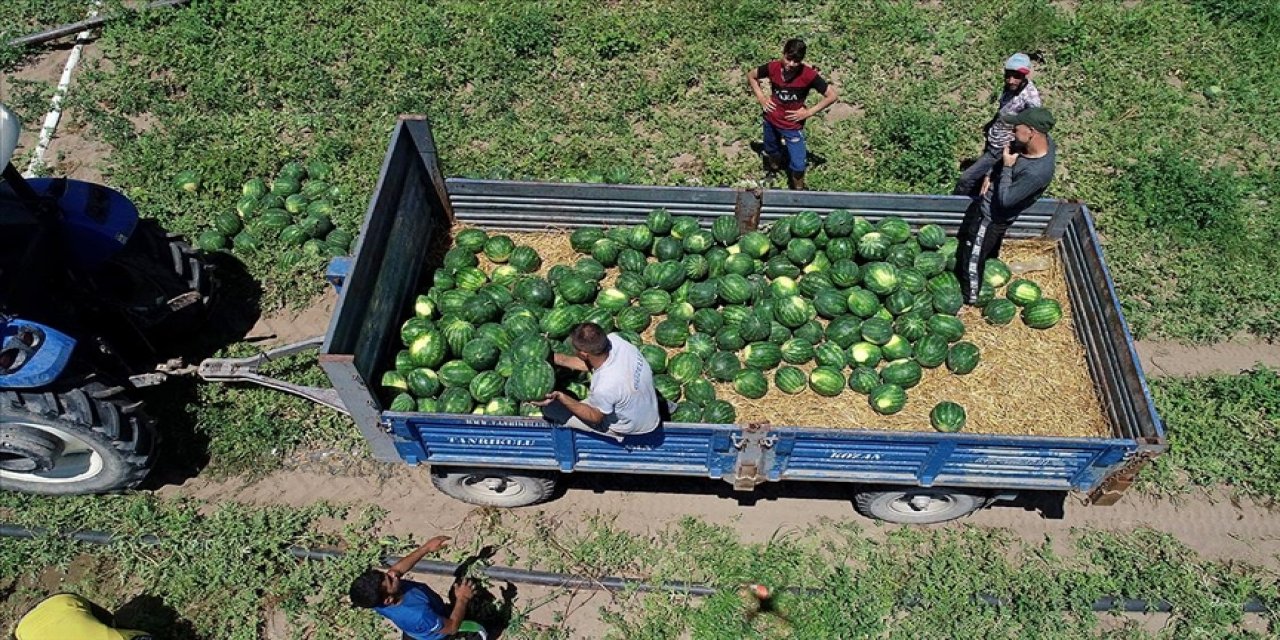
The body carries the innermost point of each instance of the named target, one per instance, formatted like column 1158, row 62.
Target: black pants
column 980, row 238
column 971, row 179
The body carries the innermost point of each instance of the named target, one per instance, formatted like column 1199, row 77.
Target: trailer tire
column 82, row 440
column 495, row 487
column 916, row 505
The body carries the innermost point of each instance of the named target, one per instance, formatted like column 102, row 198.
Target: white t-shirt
column 622, row 389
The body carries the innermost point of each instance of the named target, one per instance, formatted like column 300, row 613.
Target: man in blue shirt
column 412, row 606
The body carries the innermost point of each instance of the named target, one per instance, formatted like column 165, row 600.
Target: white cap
column 10, row 127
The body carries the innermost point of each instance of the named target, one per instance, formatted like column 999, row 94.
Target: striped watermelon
column 790, row 380
column 762, row 355
column 887, row 399
column 723, row 366
column 947, row 417
column 1000, row 311
column 750, row 383
column 685, row 367
column 1041, row 314
column 962, row 358
column 904, row 373
column 826, row 381
column 864, row 379
column 531, row 380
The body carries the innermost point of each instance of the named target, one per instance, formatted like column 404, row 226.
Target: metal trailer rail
column 414, row 203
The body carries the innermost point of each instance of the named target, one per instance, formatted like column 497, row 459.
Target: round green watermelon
column 826, row 381
column 790, row 380
column 1042, row 313
column 750, row 383
column 887, row 399
column 962, row 358
column 947, row 417
column 531, row 380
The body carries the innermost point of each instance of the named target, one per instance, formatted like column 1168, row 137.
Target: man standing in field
column 1025, row 170
column 1018, row 94
column 622, row 401
column 416, row 610
column 784, row 112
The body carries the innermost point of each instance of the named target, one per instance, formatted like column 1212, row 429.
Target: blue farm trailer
column 914, row 477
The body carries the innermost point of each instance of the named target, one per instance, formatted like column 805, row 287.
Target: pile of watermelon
column 295, row 209
column 1038, row 312
column 811, row 304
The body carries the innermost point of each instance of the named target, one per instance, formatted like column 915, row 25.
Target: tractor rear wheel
column 81, row 440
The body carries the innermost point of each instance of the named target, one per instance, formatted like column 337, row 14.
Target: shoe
column 795, row 181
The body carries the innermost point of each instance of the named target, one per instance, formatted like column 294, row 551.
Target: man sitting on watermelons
column 622, row 401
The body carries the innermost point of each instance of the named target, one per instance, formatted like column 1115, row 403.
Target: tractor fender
column 39, row 353
column 97, row 221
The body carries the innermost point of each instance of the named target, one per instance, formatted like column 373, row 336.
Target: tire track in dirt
column 1208, row 523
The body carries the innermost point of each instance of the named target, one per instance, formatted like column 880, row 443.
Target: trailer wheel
column 916, row 505
column 84, row 440
column 494, row 487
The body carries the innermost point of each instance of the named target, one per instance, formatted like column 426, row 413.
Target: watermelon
column 582, row 240
column 948, row 301
column 910, row 279
column 755, row 245
column 700, row 391
column 740, row 264
column 899, row 302
column 911, row 327
column 423, row 382
column 880, row 277
column 211, row 241
column 480, row 309
column 696, row 266
column 576, row 289
column 609, row 253
column 284, row 186
column 931, row 236
column 929, row 263
column 755, row 327
column 830, row 304
column 656, row 357
column 530, row 347
column 942, row 282
column 631, row 284
column 701, row 345
column 1042, row 313
column 762, row 355
column 780, row 231
column 639, row 238
column 530, row 380
column 481, row 354
column 698, row 242
column 404, row 361
column 395, row 380
column 703, row 295
column 996, row 273
column 813, row 283
column 255, row 188
column 896, row 348
column 518, row 325
column 806, row 224
column 794, row 311
column 723, row 366
column 456, row 373
column 559, row 321
column 403, row 403
column 456, row 400
column 688, row 411
column 1001, row 311
column 654, row 301
column 671, row 333
column 666, row 275
column 659, row 222
column 797, row 351
column 887, row 399
column 227, row 223
column 293, row 236
column 826, row 381
column 864, row 354
column 429, row 349
column 471, row 240
column 498, row 248
column 501, row 407
column 470, row 278
column 986, row 293
column 790, row 380
column 839, row 223
column 454, row 259
column 667, row 387
column 1022, row 292
column 894, row 228
column 414, row 327
column 733, row 289
column 277, row 219
column 840, row 249
column 525, row 259
column 719, row 412
column 864, row 379
column 830, row 354
column 486, row 386
column 862, row 303
column 873, row 246
column 931, row 351
column 668, row 249
column 948, row 327
column 707, row 321
column 245, row 242
column 844, row 274
column 844, row 331
column 811, row 331
column 778, row 334
column 947, row 417
column 493, row 333
column 801, row 251
column 877, row 330
column 729, row 339
column 684, row 367
column 903, row 373
column 725, row 230
column 750, row 383
column 962, row 358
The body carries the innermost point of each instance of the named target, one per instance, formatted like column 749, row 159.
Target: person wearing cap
column 65, row 616
column 1019, row 93
column 784, row 112
column 1024, row 172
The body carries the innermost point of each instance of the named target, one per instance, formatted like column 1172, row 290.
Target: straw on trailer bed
column 1028, row 381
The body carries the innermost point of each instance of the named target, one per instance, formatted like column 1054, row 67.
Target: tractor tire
column 82, row 440
column 495, row 487
column 159, row 281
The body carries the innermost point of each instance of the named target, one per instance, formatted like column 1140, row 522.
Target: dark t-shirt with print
column 789, row 92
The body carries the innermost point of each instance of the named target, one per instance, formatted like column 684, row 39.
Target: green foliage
column 1223, row 430
column 914, row 147
column 1167, row 191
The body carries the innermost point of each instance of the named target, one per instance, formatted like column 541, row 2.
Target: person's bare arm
column 761, row 97
column 569, row 362
column 828, row 99
column 462, row 593
column 406, row 563
column 582, row 410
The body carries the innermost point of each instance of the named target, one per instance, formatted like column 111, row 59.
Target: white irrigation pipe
column 52, row 118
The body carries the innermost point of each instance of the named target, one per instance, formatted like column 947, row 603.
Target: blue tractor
column 92, row 300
